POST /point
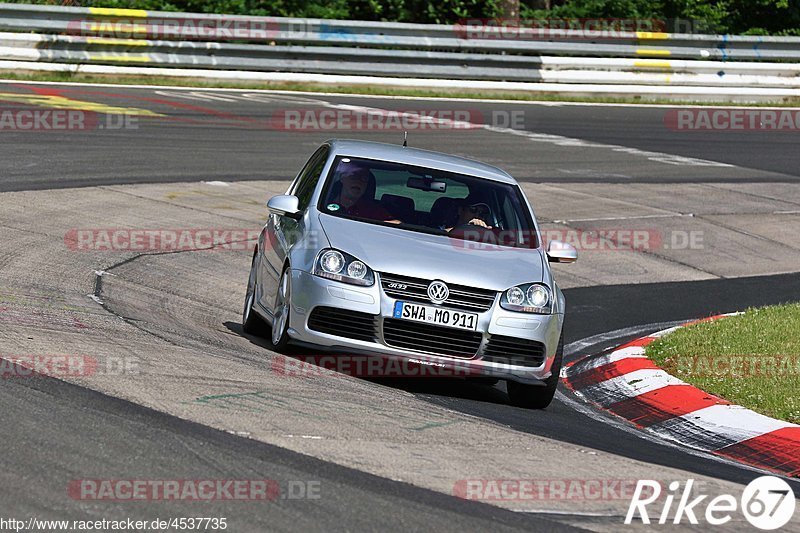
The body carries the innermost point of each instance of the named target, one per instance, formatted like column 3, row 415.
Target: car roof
column 418, row 157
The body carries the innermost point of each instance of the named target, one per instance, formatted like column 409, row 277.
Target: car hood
column 420, row 255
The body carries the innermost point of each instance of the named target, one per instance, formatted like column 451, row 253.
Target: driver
column 352, row 200
column 472, row 214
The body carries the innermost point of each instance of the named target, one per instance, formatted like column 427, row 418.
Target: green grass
column 354, row 89
column 751, row 359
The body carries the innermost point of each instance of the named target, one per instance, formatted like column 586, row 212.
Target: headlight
column 528, row 298
column 538, row 295
column 515, row 296
column 357, row 270
column 331, row 262
column 339, row 266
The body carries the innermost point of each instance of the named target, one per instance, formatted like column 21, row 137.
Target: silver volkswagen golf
column 400, row 253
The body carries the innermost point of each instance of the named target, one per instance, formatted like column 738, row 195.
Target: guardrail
column 97, row 36
column 461, row 37
column 397, row 63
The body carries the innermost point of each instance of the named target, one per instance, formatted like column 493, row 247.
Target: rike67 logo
column 767, row 502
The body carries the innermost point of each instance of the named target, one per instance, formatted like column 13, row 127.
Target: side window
column 509, row 215
column 309, row 177
column 511, row 210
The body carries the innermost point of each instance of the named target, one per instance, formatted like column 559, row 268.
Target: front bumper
column 310, row 292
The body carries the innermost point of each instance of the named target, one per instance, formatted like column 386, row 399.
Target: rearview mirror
column 561, row 252
column 426, row 184
column 285, row 205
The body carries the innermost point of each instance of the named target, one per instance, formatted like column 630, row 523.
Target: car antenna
column 405, row 139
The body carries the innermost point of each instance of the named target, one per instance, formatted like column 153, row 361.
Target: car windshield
column 428, row 201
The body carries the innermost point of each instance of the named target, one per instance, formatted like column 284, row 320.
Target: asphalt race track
column 240, row 126
column 177, row 313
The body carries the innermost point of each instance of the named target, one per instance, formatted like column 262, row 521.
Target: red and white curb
column 631, row 386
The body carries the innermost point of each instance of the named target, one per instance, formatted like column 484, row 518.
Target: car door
column 281, row 232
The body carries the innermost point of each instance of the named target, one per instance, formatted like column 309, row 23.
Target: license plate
column 435, row 315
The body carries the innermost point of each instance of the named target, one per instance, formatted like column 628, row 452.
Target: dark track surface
column 644, row 128
column 185, row 144
column 54, row 430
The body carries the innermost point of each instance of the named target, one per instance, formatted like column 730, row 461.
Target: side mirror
column 561, row 252
column 285, row 205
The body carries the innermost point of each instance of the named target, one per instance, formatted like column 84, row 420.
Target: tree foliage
column 777, row 17
column 705, row 16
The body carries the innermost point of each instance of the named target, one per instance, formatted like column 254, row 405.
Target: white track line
column 543, row 103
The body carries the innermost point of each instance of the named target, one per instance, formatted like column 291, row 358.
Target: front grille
column 416, row 290
column 513, row 351
column 432, row 339
column 344, row 323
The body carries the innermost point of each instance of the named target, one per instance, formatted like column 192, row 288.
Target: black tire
column 252, row 324
column 537, row 396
